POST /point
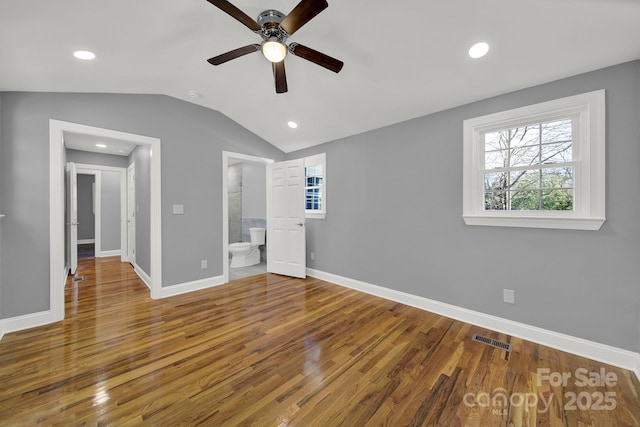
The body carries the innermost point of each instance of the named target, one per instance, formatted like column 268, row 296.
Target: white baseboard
column 115, row 252
column 589, row 349
column 1, row 330
column 142, row 275
column 86, row 241
column 196, row 285
column 27, row 321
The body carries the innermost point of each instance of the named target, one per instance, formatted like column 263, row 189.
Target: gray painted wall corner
column 193, row 139
column 395, row 220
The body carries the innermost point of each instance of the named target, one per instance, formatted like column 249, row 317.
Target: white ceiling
column 402, row 59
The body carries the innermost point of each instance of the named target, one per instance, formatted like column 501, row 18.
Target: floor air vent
column 493, row 343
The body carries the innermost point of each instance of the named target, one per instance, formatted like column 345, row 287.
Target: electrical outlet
column 313, row 256
column 203, row 264
column 178, row 209
column 509, row 296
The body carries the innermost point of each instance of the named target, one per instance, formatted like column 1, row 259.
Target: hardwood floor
column 275, row 351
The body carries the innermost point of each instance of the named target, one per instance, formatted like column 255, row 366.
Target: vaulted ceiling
column 402, row 59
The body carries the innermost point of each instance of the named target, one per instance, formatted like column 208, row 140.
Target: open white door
column 286, row 237
column 131, row 213
column 72, row 210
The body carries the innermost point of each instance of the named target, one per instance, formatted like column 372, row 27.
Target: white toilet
column 244, row 254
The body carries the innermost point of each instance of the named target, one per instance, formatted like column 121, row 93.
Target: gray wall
column 254, row 201
column 110, row 211
column 141, row 156
column 234, row 190
column 193, row 139
column 394, row 219
column 91, row 158
column 254, row 190
column 86, row 217
column 24, row 171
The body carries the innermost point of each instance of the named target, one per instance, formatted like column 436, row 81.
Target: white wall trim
column 103, row 254
column 226, row 156
column 27, row 321
column 86, row 241
column 196, row 285
column 95, row 170
column 142, row 275
column 589, row 349
column 56, row 206
column 587, row 111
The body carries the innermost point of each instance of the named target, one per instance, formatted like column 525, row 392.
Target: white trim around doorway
column 58, row 271
column 226, row 156
column 86, row 169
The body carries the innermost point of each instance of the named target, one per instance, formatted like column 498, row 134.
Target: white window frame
column 318, row 159
column 588, row 113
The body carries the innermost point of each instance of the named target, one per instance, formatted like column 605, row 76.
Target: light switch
column 509, row 296
column 178, row 209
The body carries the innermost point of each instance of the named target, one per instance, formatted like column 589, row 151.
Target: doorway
column 58, row 270
column 247, row 182
column 101, row 208
column 87, row 232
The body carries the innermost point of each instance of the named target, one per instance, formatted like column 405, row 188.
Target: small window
column 315, row 186
column 538, row 166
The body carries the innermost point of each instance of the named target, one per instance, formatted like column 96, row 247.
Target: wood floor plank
column 275, row 351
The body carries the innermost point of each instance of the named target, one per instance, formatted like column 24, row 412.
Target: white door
column 72, row 211
column 131, row 213
column 286, row 239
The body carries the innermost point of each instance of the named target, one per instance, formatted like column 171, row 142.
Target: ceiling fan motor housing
column 270, row 21
column 270, row 16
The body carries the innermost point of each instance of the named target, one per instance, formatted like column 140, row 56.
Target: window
column 539, row 166
column 315, row 188
column 529, row 167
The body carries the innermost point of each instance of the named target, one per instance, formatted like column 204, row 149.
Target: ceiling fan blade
column 280, row 76
column 233, row 54
column 236, row 13
column 316, row 57
column 301, row 14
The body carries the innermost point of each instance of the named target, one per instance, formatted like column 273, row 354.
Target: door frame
column 127, row 248
column 96, row 202
column 226, row 156
column 95, row 170
column 71, row 203
column 57, row 265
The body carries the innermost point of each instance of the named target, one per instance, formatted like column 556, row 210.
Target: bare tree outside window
column 529, row 167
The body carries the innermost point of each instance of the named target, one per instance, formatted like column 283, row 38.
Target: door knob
column 300, row 224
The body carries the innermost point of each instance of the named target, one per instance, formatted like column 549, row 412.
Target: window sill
column 315, row 215
column 552, row 222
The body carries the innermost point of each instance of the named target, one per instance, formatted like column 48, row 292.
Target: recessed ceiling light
column 193, row 94
column 292, row 125
column 84, row 54
column 479, row 50
column 101, row 146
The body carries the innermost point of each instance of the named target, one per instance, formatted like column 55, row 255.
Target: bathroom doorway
column 244, row 208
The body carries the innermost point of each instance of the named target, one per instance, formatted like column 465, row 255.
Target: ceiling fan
column 275, row 28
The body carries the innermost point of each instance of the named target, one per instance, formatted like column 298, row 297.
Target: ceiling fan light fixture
column 274, row 50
